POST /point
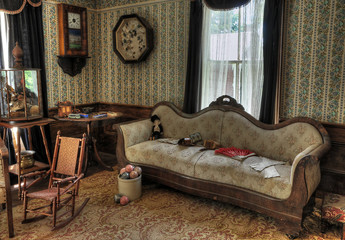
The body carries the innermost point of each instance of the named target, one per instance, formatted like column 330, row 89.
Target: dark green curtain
column 192, row 95
column 225, row 4
column 16, row 6
column 26, row 27
column 273, row 13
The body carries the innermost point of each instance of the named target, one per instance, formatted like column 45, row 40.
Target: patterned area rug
column 161, row 213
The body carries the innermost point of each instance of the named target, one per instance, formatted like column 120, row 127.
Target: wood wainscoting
column 333, row 164
column 104, row 131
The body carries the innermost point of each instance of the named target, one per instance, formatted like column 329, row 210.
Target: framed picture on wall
column 132, row 39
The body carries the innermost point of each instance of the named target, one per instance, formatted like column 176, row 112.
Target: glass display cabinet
column 21, row 97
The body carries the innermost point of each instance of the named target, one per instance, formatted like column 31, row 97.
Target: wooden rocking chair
column 68, row 153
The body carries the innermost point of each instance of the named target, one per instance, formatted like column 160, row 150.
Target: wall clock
column 132, row 39
column 72, row 30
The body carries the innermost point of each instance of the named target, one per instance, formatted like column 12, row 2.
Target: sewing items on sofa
column 193, row 139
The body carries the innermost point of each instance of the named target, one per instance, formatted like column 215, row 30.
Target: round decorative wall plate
column 132, row 39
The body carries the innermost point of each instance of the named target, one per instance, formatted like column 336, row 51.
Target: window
column 4, row 35
column 233, row 55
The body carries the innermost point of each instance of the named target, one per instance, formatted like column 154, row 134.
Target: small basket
column 130, row 187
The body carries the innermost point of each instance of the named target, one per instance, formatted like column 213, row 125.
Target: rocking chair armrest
column 43, row 174
column 65, row 180
column 33, row 174
column 72, row 183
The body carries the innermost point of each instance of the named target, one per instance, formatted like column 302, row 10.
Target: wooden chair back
column 68, row 156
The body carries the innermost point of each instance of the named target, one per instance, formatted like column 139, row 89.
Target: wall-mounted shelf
column 72, row 65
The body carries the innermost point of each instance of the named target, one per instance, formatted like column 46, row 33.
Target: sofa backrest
column 280, row 144
column 208, row 124
column 235, row 128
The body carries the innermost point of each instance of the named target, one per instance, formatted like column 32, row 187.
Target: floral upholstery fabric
column 180, row 159
column 289, row 144
column 223, row 169
column 136, row 132
column 207, row 124
column 282, row 144
column 312, row 171
column 333, row 208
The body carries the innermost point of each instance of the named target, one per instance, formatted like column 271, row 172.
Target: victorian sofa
column 298, row 142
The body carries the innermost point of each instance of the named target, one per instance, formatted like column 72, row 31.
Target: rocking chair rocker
column 68, row 153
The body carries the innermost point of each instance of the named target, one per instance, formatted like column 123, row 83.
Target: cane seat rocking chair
column 67, row 161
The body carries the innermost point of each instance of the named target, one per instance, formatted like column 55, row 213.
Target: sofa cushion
column 175, row 126
column 281, row 144
column 223, row 169
column 180, row 159
column 206, row 165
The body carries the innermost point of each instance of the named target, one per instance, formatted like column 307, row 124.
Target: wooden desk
column 15, row 168
column 92, row 152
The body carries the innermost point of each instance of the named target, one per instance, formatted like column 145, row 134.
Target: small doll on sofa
column 157, row 128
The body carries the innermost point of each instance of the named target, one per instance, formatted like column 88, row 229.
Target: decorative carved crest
column 227, row 101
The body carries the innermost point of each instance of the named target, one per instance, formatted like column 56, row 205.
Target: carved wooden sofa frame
column 288, row 213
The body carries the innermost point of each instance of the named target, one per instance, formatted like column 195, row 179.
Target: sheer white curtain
column 4, row 40
column 232, row 45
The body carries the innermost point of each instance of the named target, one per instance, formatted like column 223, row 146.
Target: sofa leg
column 309, row 208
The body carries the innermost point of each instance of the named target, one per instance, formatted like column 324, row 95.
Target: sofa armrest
column 135, row 132
column 309, row 161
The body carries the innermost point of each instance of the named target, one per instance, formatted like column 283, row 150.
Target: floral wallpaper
column 60, row 86
column 105, row 78
column 82, row 3
column 313, row 76
column 101, row 4
column 162, row 75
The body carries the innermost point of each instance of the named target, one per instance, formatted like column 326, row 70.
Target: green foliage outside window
column 29, row 80
column 225, row 21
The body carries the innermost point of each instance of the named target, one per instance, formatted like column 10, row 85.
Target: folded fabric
column 270, row 172
column 235, row 153
column 262, row 162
